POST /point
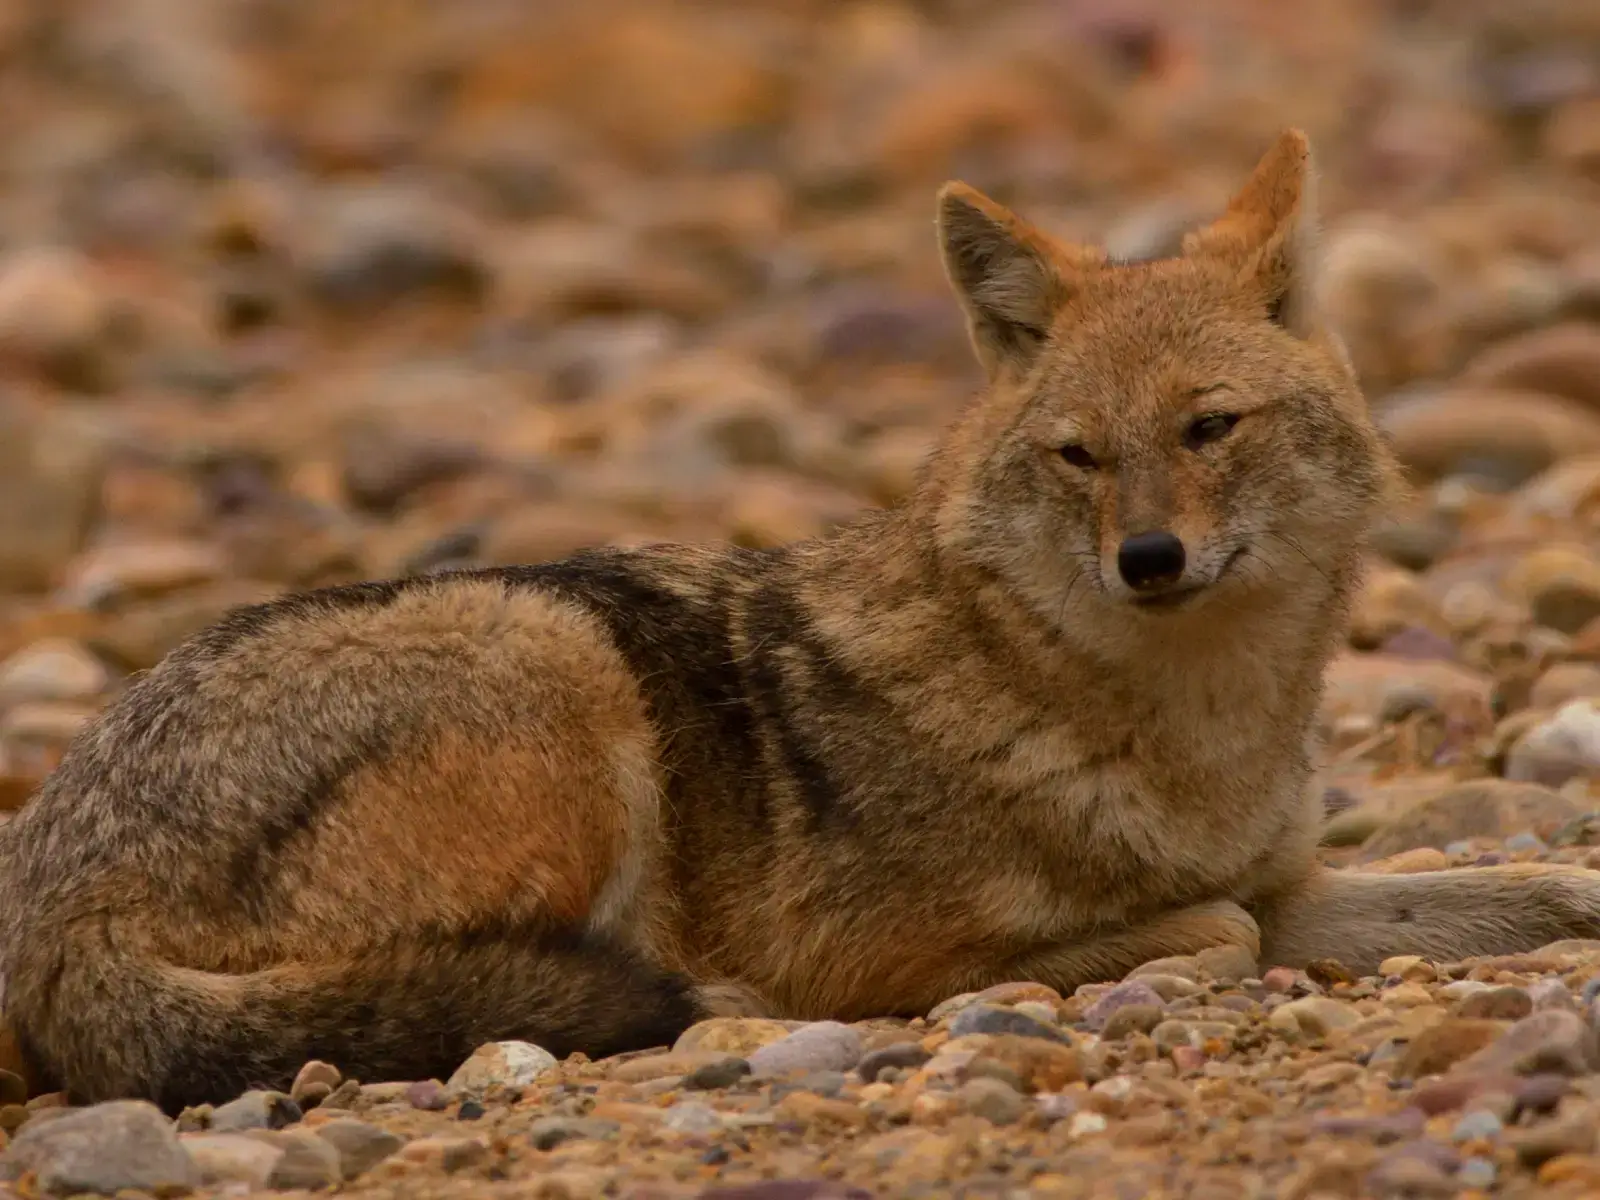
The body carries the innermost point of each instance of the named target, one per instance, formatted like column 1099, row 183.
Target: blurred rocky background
column 297, row 293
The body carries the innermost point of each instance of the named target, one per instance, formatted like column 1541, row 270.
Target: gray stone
column 905, row 1056
column 1555, row 1041
column 1476, row 1126
column 232, row 1158
column 985, row 1018
column 255, row 1110
column 547, row 1133
column 1476, row 1173
column 993, row 1099
column 103, row 1149
column 361, row 1146
column 820, row 1046
column 307, row 1162
column 1128, row 992
column 690, row 1116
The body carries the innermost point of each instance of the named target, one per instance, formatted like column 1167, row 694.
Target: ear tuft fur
column 1002, row 270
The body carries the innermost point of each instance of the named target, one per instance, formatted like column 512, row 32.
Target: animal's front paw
column 1563, row 901
column 1223, row 923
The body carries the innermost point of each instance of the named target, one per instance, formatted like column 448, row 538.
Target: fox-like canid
column 1046, row 721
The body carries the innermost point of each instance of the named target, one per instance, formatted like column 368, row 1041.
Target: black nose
column 1150, row 560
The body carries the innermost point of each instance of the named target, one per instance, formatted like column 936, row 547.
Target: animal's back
column 367, row 791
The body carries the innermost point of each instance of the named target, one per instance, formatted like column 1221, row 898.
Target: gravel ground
column 1190, row 1078
column 296, row 294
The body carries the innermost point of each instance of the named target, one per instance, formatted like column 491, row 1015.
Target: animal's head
column 1161, row 438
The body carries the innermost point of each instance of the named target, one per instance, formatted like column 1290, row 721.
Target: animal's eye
column 1204, row 430
column 1077, row 456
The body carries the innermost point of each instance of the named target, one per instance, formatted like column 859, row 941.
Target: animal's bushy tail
column 103, row 1024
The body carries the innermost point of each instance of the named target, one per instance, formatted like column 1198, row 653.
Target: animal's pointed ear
column 1005, row 274
column 1270, row 231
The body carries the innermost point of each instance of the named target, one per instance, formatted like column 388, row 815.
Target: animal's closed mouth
column 1179, row 597
column 1176, row 598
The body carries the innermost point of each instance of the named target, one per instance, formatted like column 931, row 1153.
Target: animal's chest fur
column 1137, row 821
column 1052, row 839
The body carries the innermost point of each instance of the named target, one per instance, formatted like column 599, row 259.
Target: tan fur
column 588, row 801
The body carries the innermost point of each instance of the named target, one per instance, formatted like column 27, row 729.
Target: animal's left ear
column 1270, row 232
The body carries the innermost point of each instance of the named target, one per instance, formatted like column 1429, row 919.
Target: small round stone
column 721, row 1074
column 1477, row 1126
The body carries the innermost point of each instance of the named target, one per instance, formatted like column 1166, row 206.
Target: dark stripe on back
column 681, row 651
column 678, row 647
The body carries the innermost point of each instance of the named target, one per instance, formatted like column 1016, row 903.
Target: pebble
column 1537, row 1144
column 688, row 1116
column 1556, row 1041
column 1551, row 993
column 1032, row 1064
column 906, row 1056
column 547, row 1133
column 52, row 670
column 1476, row 1126
column 52, row 471
column 1453, row 1092
column 1477, row 1173
column 983, row 1018
column 1496, row 808
column 447, row 1154
column 1561, row 360
column 995, row 1101
column 1130, row 992
column 500, row 1064
column 1166, row 987
column 1177, row 1032
column 1086, row 1124
column 361, row 1146
column 1540, row 1093
column 730, row 1035
column 1408, row 967
column 1441, row 1046
column 103, row 1149
column 307, row 1162
column 380, row 242
column 1564, row 747
column 819, row 1046
column 429, row 1095
column 255, row 1110
column 723, row 1073
column 1279, row 979
column 1414, row 1170
column 1131, row 1019
column 232, row 1158
column 56, row 316
column 314, row 1083
column 1227, row 964
column 1496, row 1004
column 1312, row 1017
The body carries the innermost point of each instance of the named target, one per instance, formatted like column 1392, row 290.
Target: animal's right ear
column 1003, row 272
